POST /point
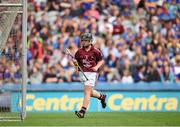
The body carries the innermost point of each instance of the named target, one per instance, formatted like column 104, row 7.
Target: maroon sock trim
column 83, row 109
column 102, row 96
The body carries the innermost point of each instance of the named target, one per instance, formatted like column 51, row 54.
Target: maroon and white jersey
column 88, row 59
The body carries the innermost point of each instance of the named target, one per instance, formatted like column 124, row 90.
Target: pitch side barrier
column 68, row 97
column 76, row 86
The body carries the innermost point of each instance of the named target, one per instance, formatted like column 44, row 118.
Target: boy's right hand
column 75, row 62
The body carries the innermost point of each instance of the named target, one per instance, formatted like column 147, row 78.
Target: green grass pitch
column 99, row 119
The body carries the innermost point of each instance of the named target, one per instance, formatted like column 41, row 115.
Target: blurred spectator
column 75, row 77
column 140, row 74
column 177, row 68
column 102, row 76
column 36, row 76
column 167, row 74
column 50, row 75
column 152, row 73
column 127, row 77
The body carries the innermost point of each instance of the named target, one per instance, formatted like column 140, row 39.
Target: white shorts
column 92, row 78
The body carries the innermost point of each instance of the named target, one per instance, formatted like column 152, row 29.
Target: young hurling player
column 90, row 60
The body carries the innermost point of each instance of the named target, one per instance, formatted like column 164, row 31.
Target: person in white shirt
column 127, row 77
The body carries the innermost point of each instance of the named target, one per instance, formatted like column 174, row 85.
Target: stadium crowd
column 138, row 38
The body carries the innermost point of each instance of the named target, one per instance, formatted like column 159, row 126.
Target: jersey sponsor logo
column 86, row 61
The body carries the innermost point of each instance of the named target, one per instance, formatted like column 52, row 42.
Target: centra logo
column 64, row 103
column 118, row 102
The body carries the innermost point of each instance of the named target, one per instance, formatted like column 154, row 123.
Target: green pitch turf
column 99, row 119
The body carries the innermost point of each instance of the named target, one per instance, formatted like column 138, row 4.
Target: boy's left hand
column 95, row 68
